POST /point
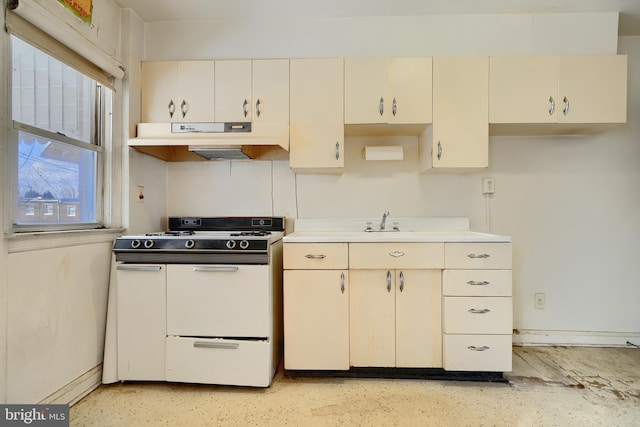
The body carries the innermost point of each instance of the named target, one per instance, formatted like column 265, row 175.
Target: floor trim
column 534, row 337
column 76, row 389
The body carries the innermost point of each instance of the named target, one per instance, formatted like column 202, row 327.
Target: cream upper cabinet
column 232, row 91
column 316, row 115
column 177, row 91
column 388, row 90
column 558, row 89
column 270, row 91
column 460, row 131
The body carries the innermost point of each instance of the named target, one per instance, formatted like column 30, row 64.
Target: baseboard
column 524, row 337
column 76, row 389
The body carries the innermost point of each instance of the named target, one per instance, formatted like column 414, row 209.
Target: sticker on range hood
column 211, row 127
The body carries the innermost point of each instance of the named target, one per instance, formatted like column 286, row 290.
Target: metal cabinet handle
column 222, row 345
column 439, row 150
column 215, row 269
column 552, row 105
column 342, row 282
column 245, row 111
column 565, row 110
column 257, row 108
column 381, row 106
column 473, row 283
column 388, row 281
column 139, row 267
column 337, row 150
column 401, row 281
column 396, row 254
column 172, row 108
column 474, row 348
column 315, row 256
column 479, row 311
column 394, row 108
column 478, row 256
column 184, row 108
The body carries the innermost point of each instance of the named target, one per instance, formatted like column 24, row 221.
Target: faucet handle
column 396, row 226
column 369, row 226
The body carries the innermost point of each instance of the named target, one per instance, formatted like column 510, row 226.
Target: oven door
column 219, row 301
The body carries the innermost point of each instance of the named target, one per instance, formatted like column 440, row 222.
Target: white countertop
column 411, row 230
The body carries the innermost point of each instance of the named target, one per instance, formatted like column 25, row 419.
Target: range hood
column 212, row 140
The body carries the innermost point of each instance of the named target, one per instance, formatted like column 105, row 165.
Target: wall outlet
column 139, row 193
column 538, row 301
column 488, row 185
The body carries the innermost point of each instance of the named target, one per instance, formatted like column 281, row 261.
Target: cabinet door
column 460, row 112
column 142, row 331
column 366, row 99
column 270, row 90
column 159, row 92
column 592, row 89
column 372, row 321
column 410, row 90
column 418, row 319
column 196, row 91
column 316, row 115
column 233, row 91
column 523, row 89
column 316, row 319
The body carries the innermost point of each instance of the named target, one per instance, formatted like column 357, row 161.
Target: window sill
column 31, row 241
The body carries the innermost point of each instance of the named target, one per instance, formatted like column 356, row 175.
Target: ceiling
column 190, row 10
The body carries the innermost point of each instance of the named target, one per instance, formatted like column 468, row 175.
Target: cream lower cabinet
column 394, row 305
column 316, row 306
column 394, row 318
column 477, row 307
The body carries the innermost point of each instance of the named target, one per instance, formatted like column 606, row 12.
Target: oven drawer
column 219, row 300
column 477, row 315
column 491, row 353
column 219, row 361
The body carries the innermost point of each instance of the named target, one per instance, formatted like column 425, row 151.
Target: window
column 58, row 122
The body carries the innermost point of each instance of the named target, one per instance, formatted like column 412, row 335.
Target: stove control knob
column 148, row 244
column 135, row 244
column 189, row 244
column 231, row 244
column 244, row 244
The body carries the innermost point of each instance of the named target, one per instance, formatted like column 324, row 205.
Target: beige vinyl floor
column 549, row 386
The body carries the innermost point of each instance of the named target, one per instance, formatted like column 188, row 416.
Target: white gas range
column 201, row 303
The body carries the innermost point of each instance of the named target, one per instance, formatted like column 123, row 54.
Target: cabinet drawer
column 316, row 256
column 219, row 361
column 396, row 255
column 478, row 255
column 482, row 283
column 477, row 315
column 491, row 353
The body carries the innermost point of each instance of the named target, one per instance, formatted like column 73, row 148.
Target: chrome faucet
column 384, row 220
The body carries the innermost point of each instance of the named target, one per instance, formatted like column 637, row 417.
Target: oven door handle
column 215, row 269
column 225, row 345
column 139, row 267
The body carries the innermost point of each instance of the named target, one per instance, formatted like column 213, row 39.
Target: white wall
column 53, row 287
column 570, row 204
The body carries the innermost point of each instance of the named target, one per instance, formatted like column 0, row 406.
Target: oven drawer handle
column 215, row 269
column 482, row 348
column 222, row 345
column 313, row 256
column 479, row 311
column 139, row 267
